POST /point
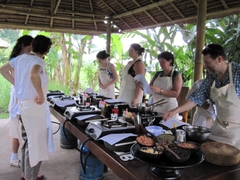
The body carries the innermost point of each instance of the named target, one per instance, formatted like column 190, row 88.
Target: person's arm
column 174, row 92
column 5, row 70
column 139, row 68
column 187, row 105
column 36, row 81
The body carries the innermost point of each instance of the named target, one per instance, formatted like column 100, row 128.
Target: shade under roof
column 89, row 16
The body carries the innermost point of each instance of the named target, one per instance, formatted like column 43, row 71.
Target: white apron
column 105, row 79
column 37, row 123
column 165, row 83
column 128, row 87
column 226, row 128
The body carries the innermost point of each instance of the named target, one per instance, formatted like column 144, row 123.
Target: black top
column 131, row 71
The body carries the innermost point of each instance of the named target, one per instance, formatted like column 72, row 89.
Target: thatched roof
column 87, row 16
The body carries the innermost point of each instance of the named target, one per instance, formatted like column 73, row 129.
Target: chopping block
column 220, row 153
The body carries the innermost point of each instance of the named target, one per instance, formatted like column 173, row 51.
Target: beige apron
column 105, row 79
column 37, row 123
column 128, row 87
column 226, row 128
column 165, row 83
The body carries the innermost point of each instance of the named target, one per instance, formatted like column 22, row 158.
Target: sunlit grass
column 5, row 94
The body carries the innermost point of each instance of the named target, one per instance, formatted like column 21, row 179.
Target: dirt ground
column 63, row 163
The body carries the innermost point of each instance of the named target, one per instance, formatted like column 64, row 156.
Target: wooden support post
column 200, row 39
column 109, row 27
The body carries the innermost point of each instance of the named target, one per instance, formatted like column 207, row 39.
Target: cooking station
column 136, row 170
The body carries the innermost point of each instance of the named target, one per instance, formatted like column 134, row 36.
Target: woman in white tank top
column 107, row 76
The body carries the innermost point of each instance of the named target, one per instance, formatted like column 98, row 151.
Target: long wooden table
column 136, row 170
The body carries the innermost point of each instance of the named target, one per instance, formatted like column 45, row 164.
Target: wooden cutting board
column 220, row 153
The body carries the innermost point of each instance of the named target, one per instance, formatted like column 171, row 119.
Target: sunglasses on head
column 207, row 48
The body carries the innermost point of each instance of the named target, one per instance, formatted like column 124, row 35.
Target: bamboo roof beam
column 139, row 10
column 49, row 16
column 7, row 1
column 131, row 15
column 57, row 5
column 73, row 5
column 52, row 12
column 53, row 29
column 48, row 9
column 116, row 13
column 232, row 10
column 149, row 15
column 179, row 12
column 224, row 4
column 95, row 24
column 163, row 12
column 195, row 3
column 26, row 20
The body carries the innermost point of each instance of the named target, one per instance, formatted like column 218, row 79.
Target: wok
column 148, row 108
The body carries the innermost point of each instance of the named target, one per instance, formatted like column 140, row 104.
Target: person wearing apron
column 222, row 86
column 165, row 86
column 204, row 115
column 107, row 76
column 129, row 92
column 23, row 45
column 31, row 85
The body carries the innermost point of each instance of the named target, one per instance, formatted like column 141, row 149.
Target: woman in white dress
column 129, row 92
column 23, row 45
column 107, row 76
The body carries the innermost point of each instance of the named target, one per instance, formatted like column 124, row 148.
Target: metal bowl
column 197, row 133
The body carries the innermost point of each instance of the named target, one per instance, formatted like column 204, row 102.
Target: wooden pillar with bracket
column 109, row 27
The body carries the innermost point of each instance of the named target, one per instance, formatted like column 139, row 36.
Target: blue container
column 94, row 167
column 64, row 140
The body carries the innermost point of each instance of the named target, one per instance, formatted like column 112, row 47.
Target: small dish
column 150, row 152
column 193, row 147
column 156, row 130
column 145, row 140
column 167, row 137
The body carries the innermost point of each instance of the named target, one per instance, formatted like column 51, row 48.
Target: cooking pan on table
column 148, row 108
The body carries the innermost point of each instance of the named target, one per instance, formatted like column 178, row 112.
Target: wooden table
column 136, row 170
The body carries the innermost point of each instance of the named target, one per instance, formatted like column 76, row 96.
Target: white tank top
column 22, row 67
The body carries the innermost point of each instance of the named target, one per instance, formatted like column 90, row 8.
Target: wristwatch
column 161, row 91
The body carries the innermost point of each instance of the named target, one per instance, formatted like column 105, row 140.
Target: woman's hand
column 155, row 89
column 39, row 100
column 103, row 86
column 169, row 114
column 134, row 102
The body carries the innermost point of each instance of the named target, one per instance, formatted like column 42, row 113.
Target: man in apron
column 222, row 86
column 31, row 85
